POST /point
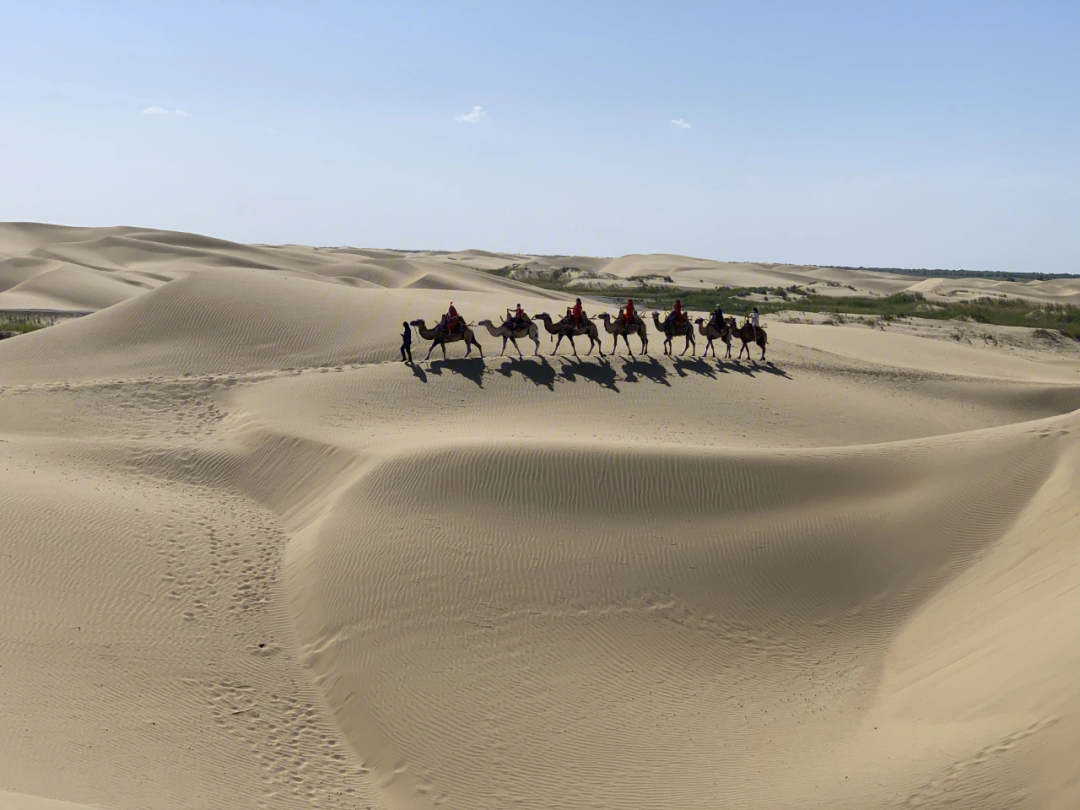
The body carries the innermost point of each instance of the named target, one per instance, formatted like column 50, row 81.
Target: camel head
column 417, row 322
column 485, row 322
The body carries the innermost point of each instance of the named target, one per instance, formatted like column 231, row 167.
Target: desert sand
column 250, row 559
column 64, row 269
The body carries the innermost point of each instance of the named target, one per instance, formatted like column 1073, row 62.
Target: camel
column 745, row 333
column 618, row 329
column 673, row 330
column 711, row 333
column 564, row 330
column 441, row 339
column 508, row 334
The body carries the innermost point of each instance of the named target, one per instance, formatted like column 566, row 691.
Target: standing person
column 406, row 343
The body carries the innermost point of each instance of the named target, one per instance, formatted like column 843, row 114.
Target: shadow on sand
column 597, row 371
column 650, row 370
column 471, row 368
column 696, row 365
column 535, row 369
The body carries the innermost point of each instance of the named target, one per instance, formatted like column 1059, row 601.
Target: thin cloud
column 475, row 117
column 182, row 113
column 681, row 123
column 155, row 110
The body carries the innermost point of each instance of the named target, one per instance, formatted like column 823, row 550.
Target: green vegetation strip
column 1064, row 318
column 19, row 326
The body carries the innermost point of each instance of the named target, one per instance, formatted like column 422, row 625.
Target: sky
column 891, row 134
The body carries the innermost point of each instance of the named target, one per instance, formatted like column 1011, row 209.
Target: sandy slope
column 246, row 560
column 54, row 267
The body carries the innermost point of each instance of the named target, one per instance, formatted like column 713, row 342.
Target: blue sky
column 938, row 134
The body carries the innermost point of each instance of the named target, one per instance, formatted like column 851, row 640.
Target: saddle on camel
column 575, row 315
column 676, row 317
column 628, row 315
column 516, row 318
column 452, row 323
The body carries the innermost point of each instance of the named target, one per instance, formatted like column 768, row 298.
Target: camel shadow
column 771, row 368
column 652, row 370
column 696, row 365
column 600, row 373
column 737, row 365
column 471, row 368
column 538, row 371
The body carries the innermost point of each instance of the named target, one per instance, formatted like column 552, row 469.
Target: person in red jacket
column 676, row 315
column 629, row 316
column 577, row 314
column 450, row 319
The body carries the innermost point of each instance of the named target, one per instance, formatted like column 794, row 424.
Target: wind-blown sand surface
column 53, row 267
column 249, row 560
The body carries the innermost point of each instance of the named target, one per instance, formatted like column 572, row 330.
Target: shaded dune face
column 633, row 628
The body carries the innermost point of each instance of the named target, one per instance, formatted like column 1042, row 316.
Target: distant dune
column 62, row 268
column 248, row 558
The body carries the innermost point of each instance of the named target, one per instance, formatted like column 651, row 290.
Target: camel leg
column 537, row 342
column 557, row 342
column 573, row 345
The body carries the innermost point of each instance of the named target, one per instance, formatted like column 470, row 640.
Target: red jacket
column 629, row 311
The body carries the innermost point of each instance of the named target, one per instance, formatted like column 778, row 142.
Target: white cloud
column 475, row 117
column 680, row 123
column 182, row 113
column 155, row 110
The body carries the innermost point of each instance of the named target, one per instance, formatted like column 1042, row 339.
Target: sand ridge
column 250, row 559
column 65, row 268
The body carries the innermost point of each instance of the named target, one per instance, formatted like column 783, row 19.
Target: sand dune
column 249, row 559
column 79, row 269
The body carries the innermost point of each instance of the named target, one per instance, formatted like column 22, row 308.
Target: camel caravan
column 453, row 328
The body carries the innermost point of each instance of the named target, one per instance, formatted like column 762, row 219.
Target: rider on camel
column 450, row 320
column 516, row 319
column 717, row 318
column 577, row 315
column 753, row 319
column 627, row 314
column 677, row 315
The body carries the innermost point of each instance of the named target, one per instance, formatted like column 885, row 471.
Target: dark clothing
column 406, row 345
